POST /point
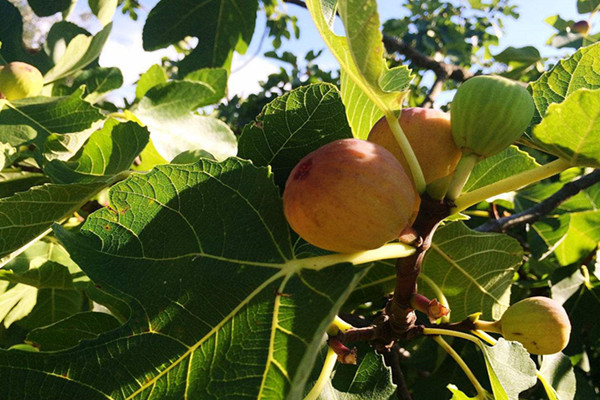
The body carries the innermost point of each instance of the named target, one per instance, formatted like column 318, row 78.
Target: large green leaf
column 474, row 270
column 578, row 71
column 558, row 371
column 571, row 129
column 45, row 8
column 109, row 151
column 361, row 112
column 505, row 164
column 586, row 6
column 581, row 239
column 65, row 121
column 292, row 126
column 43, row 265
column 168, row 110
column 360, row 53
column 97, row 81
column 510, row 369
column 26, row 215
column 80, row 52
column 12, row 182
column 70, row 331
column 221, row 307
column 220, row 26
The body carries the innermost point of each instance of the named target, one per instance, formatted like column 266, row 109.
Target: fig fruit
column 349, row 195
column 539, row 323
column 582, row 27
column 489, row 113
column 19, row 80
column 430, row 135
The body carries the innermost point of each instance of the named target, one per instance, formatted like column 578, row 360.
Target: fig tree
column 489, row 113
column 19, row 80
column 430, row 136
column 539, row 323
column 349, row 195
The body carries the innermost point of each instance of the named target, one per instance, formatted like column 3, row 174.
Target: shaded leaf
column 154, row 76
column 97, row 81
column 44, row 8
column 474, row 270
column 70, row 331
column 558, row 371
column 26, row 215
column 109, row 151
column 80, row 52
column 510, row 369
column 292, row 126
column 220, row 25
column 18, row 181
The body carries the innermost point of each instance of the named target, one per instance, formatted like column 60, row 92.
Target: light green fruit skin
column 19, row 80
column 539, row 323
column 489, row 113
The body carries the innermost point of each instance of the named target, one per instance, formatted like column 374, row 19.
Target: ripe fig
column 582, row 27
column 19, row 80
column 430, row 136
column 349, row 195
column 489, row 113
column 539, row 323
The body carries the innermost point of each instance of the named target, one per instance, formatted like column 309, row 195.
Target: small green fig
column 349, row 195
column 582, row 27
column 489, row 113
column 540, row 324
column 19, row 80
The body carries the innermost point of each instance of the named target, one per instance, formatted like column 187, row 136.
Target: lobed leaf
column 474, row 270
column 292, row 126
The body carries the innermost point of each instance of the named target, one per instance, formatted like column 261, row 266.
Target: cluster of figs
column 352, row 195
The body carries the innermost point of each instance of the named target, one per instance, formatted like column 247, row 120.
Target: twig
column 392, row 360
column 539, row 210
column 434, row 92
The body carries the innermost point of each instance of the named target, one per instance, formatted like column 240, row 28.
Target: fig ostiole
column 540, row 324
column 488, row 113
column 19, row 80
column 349, row 195
column 430, row 135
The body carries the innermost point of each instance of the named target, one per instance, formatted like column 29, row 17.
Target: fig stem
column 481, row 392
column 447, row 332
column 461, row 174
column 324, row 376
column 510, row 184
column 338, row 325
column 409, row 154
column 438, row 188
column 387, row 251
column 488, row 326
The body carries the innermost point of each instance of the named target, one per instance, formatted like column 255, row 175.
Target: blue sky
column 124, row 46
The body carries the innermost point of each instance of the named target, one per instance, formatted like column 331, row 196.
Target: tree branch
column 539, row 210
column 434, row 92
column 392, row 360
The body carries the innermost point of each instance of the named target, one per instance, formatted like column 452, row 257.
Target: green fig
column 349, row 195
column 19, row 80
column 489, row 113
column 540, row 324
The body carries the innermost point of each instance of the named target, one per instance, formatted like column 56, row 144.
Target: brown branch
column 539, row 210
column 434, row 92
column 392, row 360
